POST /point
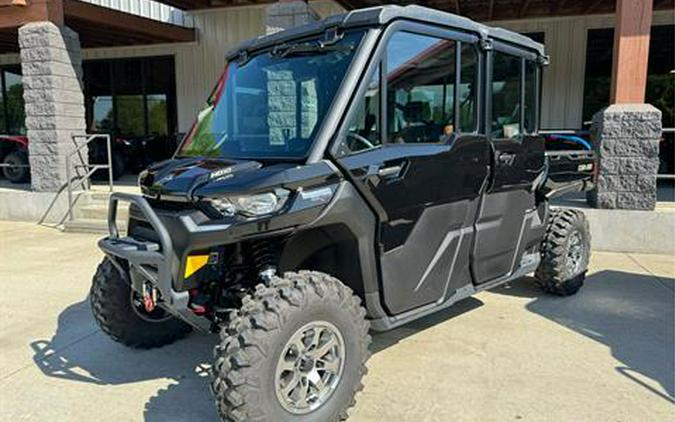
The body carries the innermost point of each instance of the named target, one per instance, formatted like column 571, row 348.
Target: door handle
column 388, row 172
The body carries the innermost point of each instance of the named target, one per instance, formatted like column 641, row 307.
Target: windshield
column 272, row 105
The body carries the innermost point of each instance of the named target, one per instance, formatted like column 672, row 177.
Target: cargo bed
column 569, row 171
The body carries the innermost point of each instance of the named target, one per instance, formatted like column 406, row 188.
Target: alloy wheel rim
column 310, row 367
column 575, row 254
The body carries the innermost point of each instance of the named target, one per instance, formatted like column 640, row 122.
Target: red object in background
column 21, row 140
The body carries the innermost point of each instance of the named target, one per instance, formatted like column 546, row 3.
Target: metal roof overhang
column 97, row 26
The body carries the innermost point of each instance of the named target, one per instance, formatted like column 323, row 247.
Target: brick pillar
column 51, row 64
column 286, row 14
column 625, row 139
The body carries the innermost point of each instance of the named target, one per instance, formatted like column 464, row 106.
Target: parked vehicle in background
column 345, row 175
column 129, row 155
column 132, row 154
column 14, row 157
column 567, row 142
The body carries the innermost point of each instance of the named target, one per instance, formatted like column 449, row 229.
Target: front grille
column 159, row 204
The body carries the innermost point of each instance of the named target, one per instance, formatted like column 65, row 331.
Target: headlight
column 251, row 205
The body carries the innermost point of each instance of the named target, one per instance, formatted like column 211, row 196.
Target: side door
column 518, row 162
column 412, row 148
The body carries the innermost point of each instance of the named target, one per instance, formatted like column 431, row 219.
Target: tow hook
column 149, row 298
column 198, row 302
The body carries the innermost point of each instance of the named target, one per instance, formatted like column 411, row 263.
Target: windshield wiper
column 308, row 48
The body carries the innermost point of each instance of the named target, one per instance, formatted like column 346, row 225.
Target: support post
column 631, row 51
column 626, row 134
column 51, row 64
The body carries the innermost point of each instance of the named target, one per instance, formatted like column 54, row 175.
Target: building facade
column 153, row 81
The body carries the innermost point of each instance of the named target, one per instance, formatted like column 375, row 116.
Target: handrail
column 84, row 181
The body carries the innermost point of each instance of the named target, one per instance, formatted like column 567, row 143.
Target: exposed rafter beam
column 458, row 9
column 591, row 6
column 664, row 4
column 557, row 6
column 491, row 10
column 523, row 8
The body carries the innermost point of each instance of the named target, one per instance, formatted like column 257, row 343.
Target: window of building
column 539, row 37
column 12, row 114
column 420, row 88
column 598, row 75
column 506, row 76
column 660, row 71
column 3, row 119
column 130, row 97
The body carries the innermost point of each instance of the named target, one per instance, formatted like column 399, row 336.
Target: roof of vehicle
column 382, row 15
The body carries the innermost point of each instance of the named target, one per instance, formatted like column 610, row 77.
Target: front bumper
column 149, row 262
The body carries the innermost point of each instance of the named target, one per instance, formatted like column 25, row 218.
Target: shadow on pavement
column 384, row 340
column 632, row 314
column 80, row 352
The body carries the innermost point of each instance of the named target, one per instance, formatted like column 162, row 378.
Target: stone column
column 286, row 14
column 625, row 139
column 51, row 63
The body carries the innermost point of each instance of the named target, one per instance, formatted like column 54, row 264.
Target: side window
column 364, row 130
column 468, row 88
column 420, row 88
column 505, row 95
column 531, row 93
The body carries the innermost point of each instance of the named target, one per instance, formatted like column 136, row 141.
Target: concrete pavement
column 514, row 353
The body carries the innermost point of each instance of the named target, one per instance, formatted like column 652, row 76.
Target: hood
column 194, row 178
column 182, row 176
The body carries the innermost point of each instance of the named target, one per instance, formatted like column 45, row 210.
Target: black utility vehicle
column 356, row 173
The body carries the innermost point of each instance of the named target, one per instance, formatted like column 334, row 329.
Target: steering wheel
column 358, row 139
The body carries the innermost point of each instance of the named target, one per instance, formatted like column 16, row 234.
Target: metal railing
column 89, row 169
column 577, row 132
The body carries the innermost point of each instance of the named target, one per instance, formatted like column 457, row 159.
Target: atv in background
column 129, row 155
column 14, row 157
column 567, row 142
column 132, row 154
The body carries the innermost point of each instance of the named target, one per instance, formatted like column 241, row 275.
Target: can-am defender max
column 352, row 174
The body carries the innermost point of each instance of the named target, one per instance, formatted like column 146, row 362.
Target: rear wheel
column 19, row 173
column 295, row 351
column 120, row 313
column 565, row 253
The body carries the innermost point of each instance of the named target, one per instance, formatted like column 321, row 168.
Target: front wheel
column 565, row 252
column 119, row 312
column 295, row 351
